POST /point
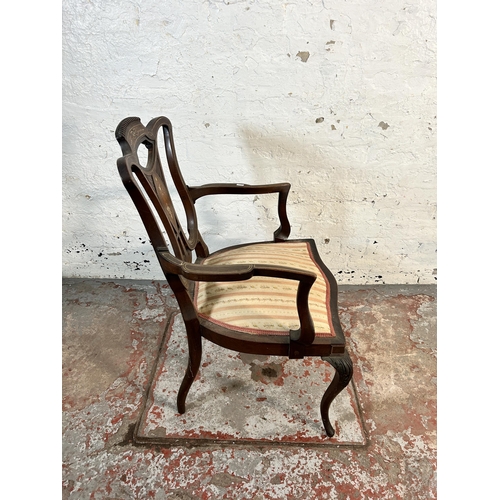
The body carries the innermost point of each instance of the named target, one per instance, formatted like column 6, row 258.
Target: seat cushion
column 263, row 305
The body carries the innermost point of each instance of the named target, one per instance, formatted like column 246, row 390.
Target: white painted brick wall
column 338, row 98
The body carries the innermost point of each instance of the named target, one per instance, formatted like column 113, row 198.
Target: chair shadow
column 282, row 158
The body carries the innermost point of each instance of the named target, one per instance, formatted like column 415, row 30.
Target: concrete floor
column 111, row 336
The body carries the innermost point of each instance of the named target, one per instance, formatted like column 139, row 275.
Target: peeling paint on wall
column 337, row 98
column 303, row 55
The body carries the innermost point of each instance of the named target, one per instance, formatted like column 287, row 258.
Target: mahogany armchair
column 271, row 298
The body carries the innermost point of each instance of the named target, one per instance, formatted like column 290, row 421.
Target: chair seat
column 263, row 305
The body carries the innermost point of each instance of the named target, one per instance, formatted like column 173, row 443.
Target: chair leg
column 343, row 375
column 195, row 350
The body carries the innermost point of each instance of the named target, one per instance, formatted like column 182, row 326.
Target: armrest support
column 239, row 272
column 282, row 188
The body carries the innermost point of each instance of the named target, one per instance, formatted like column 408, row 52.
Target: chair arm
column 199, row 272
column 282, row 188
column 240, row 272
column 227, row 188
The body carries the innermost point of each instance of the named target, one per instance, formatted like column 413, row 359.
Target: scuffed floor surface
column 244, row 398
column 112, row 331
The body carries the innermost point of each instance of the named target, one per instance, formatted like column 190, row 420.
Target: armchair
column 275, row 297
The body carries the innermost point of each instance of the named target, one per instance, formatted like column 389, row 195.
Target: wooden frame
column 147, row 187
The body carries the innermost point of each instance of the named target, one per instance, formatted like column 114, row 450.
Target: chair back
column 148, row 188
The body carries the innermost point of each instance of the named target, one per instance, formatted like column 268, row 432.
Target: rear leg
column 195, row 350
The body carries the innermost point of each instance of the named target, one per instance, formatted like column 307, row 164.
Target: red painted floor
column 111, row 335
column 246, row 398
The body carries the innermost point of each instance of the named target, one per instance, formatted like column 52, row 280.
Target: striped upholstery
column 263, row 305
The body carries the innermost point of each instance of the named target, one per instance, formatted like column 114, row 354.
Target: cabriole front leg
column 343, row 375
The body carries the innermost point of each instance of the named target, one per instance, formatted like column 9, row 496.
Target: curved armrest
column 282, row 188
column 240, row 272
column 198, row 272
